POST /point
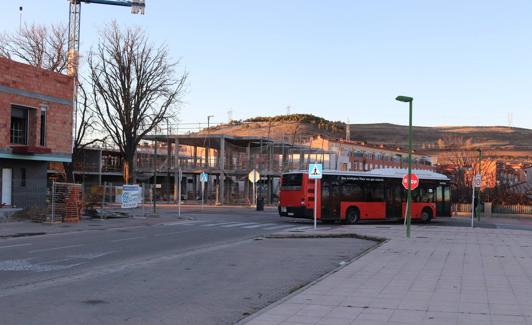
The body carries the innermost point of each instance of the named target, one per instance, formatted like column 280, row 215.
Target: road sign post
column 315, row 172
column 204, row 177
column 410, row 183
column 180, row 176
column 254, row 177
column 477, row 182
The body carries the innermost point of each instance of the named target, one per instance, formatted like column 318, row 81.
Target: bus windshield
column 292, row 180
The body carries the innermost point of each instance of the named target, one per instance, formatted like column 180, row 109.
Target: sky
column 464, row 62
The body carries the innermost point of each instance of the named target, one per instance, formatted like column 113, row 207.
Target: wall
column 24, row 85
column 33, row 193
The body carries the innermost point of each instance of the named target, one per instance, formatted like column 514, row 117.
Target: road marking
column 17, row 245
column 238, row 224
column 180, row 223
column 54, row 248
column 216, row 224
column 278, row 227
column 259, row 225
column 124, row 239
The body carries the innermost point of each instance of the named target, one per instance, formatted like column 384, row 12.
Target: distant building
column 35, row 129
column 361, row 156
column 226, row 159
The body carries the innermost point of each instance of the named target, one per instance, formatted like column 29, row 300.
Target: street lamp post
column 408, row 216
column 480, row 188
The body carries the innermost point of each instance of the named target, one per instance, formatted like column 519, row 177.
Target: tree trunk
column 129, row 171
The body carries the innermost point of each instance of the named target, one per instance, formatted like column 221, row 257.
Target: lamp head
column 405, row 99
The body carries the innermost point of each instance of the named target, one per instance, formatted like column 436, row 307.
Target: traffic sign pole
column 473, row 205
column 254, row 189
column 180, row 175
column 315, row 172
column 315, row 202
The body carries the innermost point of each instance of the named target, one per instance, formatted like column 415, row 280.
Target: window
column 19, row 125
column 292, row 180
column 42, row 140
column 374, row 192
column 352, row 191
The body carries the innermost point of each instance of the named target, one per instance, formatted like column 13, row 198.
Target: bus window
column 374, row 192
column 352, row 192
column 424, row 195
column 292, row 181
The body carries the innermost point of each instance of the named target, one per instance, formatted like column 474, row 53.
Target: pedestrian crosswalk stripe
column 279, row 227
column 238, row 224
column 216, row 224
column 259, row 225
column 181, row 223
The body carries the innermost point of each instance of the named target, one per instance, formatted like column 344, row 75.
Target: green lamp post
column 480, row 188
column 408, row 216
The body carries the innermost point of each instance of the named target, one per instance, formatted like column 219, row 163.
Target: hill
column 500, row 141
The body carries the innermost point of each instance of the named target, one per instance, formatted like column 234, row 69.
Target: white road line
column 238, row 224
column 124, row 239
column 259, row 225
column 173, row 233
column 17, row 245
column 216, row 224
column 180, row 223
column 278, row 227
column 54, row 248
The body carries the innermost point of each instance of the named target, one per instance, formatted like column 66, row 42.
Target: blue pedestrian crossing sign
column 204, row 177
column 315, row 171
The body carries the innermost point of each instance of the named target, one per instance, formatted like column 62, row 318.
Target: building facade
column 35, row 129
column 361, row 156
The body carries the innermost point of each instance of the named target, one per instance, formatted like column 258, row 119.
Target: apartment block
column 35, row 129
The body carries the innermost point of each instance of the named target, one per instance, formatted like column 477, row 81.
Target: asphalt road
column 215, row 267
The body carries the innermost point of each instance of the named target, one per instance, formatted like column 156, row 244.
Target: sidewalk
column 442, row 275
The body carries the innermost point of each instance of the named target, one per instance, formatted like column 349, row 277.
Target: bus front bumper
column 296, row 212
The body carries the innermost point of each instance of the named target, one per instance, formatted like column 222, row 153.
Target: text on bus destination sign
column 357, row 178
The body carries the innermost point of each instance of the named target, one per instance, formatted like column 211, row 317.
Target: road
column 214, row 267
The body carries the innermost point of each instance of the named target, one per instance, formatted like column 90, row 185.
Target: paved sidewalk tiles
column 441, row 275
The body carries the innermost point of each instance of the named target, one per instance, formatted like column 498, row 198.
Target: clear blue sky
column 464, row 62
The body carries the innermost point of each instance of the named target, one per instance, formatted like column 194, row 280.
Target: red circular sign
column 414, row 182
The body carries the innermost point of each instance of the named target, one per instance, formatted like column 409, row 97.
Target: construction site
column 227, row 161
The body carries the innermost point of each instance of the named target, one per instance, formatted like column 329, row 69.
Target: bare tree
column 38, row 45
column 88, row 131
column 134, row 86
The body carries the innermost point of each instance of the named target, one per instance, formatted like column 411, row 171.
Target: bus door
column 393, row 201
column 443, row 200
column 330, row 198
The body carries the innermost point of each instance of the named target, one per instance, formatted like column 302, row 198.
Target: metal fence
column 513, row 209
column 65, row 203
column 502, row 209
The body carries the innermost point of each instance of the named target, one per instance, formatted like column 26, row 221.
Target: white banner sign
column 131, row 196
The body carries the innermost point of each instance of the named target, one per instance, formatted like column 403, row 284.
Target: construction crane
column 137, row 6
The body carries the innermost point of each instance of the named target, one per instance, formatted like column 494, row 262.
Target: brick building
column 35, row 129
column 361, row 156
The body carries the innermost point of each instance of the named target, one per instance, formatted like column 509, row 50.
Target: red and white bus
column 353, row 196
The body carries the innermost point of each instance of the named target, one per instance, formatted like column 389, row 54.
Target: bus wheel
column 426, row 215
column 352, row 216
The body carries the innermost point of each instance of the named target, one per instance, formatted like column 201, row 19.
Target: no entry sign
column 414, row 182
